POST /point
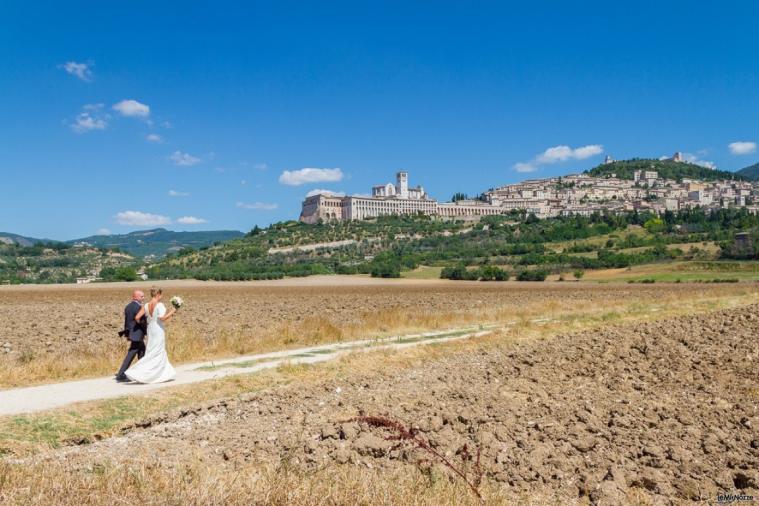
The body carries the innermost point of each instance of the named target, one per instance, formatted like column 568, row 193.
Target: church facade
column 388, row 199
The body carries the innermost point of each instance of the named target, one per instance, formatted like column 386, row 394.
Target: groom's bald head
column 137, row 295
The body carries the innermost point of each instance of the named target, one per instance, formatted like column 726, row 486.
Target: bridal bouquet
column 177, row 302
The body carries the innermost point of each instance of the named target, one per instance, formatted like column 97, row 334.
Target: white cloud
column 191, row 220
column 742, row 147
column 81, row 70
column 557, row 154
column 563, row 153
column 132, row 108
column 587, row 151
column 310, row 175
column 260, row 166
column 140, row 219
column 103, row 231
column 706, row 163
column 91, row 118
column 258, row 206
column 328, row 193
column 153, row 138
column 525, row 167
column 691, row 158
column 174, row 193
column 85, row 122
column 183, row 159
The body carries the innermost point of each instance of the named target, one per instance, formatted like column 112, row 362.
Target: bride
column 154, row 367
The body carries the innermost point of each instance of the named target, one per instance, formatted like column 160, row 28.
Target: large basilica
column 388, row 199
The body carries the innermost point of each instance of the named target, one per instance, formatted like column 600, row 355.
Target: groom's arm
column 139, row 316
column 129, row 322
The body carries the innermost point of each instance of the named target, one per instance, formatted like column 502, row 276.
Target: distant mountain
column 751, row 172
column 159, row 241
column 667, row 169
column 8, row 238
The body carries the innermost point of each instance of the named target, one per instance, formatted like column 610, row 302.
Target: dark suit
column 135, row 333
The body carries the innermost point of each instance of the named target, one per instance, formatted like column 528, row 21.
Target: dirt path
column 44, row 397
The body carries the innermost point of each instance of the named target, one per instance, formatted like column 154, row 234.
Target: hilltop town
column 576, row 194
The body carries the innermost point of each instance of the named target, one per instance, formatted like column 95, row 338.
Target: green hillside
column 159, row 241
column 263, row 253
column 751, row 172
column 514, row 243
column 668, row 169
column 57, row 262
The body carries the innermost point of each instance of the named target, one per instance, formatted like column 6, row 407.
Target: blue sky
column 127, row 115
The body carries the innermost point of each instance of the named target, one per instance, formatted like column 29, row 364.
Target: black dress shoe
column 122, row 379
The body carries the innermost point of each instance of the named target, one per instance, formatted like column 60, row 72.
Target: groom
column 134, row 332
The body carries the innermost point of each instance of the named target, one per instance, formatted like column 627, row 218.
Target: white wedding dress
column 154, row 367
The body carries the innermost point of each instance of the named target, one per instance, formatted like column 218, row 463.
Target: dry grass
column 142, row 479
column 22, row 435
column 195, row 484
column 187, row 344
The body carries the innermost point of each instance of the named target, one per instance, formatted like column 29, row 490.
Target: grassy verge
column 423, row 272
column 195, row 484
column 599, row 240
column 694, row 271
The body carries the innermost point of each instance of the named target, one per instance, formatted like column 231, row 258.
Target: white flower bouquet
column 177, row 302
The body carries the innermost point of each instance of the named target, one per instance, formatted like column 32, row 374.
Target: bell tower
column 402, row 184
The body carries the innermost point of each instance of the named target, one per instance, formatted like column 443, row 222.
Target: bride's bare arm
column 140, row 314
column 168, row 315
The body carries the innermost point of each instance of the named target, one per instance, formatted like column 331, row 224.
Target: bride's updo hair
column 154, row 290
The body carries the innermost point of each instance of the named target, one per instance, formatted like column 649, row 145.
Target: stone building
column 574, row 194
column 389, row 199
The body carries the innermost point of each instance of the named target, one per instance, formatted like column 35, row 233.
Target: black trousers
column 136, row 349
